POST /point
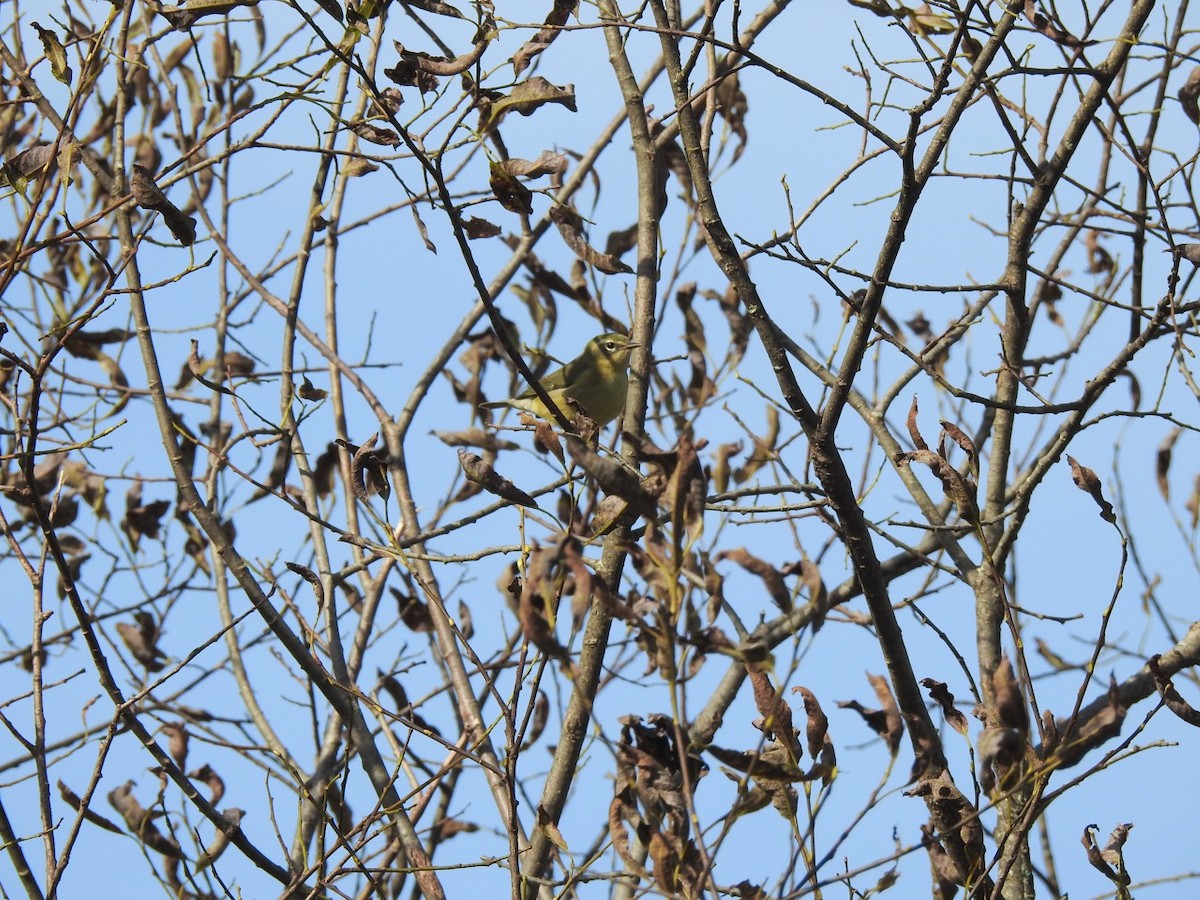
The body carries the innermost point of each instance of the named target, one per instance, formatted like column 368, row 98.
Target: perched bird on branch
column 596, row 380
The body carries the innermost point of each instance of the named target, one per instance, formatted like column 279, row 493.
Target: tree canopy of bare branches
column 881, row 582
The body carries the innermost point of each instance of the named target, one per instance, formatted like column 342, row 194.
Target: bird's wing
column 554, row 381
column 570, row 374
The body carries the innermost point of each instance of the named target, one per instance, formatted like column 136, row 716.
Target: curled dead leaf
column 1111, row 856
column 1171, row 697
column 1088, row 482
column 1162, row 463
column 940, row 694
column 526, row 97
column 56, row 53
column 555, row 19
column 212, row 781
column 481, row 473
column 570, row 226
column 548, row 163
column 509, row 191
column 413, row 611
column 771, row 577
column 74, row 801
column 958, row 489
column 142, row 641
column 885, row 722
column 140, row 821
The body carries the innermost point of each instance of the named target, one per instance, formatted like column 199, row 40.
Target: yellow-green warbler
column 597, row 380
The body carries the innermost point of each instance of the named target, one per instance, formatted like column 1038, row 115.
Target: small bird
column 597, row 380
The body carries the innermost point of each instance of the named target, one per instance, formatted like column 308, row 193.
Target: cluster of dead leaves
column 139, row 822
column 552, row 572
column 770, row 772
column 653, row 789
column 960, row 488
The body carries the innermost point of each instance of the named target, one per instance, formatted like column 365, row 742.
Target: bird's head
column 611, row 351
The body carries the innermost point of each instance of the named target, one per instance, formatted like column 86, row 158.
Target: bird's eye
column 610, row 346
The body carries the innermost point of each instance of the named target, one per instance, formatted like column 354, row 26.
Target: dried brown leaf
column 439, row 66
column 142, row 641
column 549, row 828
column 413, row 611
column 314, row 582
column 140, row 822
column 1162, row 463
column 56, row 53
column 1011, row 710
column 310, row 392
column 477, row 228
column 959, row 490
column 177, row 742
column 948, row 870
column 1087, row 481
column 466, row 625
column 771, row 577
column 436, row 7
column 74, row 801
column 1099, row 259
column 374, row 134
column 1171, row 697
column 481, row 473
column 509, row 191
column 621, row 242
column 609, row 512
column 720, row 467
column 528, row 96
column 212, row 781
column 733, row 106
column 333, row 8
column 148, row 195
column 407, row 72
column 18, row 170
column 1104, row 860
column 810, row 577
column 1045, row 26
column 324, row 469
column 368, row 469
column 776, row 713
column 541, row 715
column 233, row 818
column 894, row 722
column 686, row 492
column 546, row 439
column 999, row 750
column 570, row 226
column 555, row 19
column 961, row 438
column 764, row 449
column 548, row 163
column 766, row 766
column 817, row 730
column 925, row 21
column 537, row 605
column 940, row 694
column 1135, row 389
column 914, row 431
column 449, row 827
